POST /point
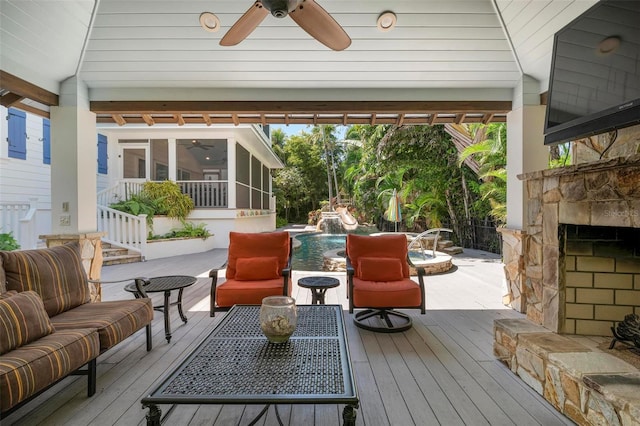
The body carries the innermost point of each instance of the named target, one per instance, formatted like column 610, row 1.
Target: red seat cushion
column 389, row 294
column 233, row 292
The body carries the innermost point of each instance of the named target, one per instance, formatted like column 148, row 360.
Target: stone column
column 525, row 153
column 512, row 257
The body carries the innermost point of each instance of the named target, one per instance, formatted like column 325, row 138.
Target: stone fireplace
column 601, row 202
column 575, row 270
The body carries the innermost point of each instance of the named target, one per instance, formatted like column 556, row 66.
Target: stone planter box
column 157, row 249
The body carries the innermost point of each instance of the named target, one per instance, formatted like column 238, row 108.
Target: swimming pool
column 308, row 257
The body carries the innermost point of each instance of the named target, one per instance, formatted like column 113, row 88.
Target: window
column 46, row 141
column 102, row 154
column 17, row 134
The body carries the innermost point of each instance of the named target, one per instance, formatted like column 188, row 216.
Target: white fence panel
column 19, row 218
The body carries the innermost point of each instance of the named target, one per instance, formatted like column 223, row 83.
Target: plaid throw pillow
column 22, row 320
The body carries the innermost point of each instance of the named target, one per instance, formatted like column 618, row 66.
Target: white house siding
column 22, row 180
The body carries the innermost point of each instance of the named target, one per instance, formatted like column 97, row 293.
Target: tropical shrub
column 168, row 199
column 8, row 242
column 188, row 230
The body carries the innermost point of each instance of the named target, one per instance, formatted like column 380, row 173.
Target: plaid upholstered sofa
column 48, row 327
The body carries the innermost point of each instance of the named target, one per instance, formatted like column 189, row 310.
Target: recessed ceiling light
column 386, row 21
column 209, row 22
column 609, row 45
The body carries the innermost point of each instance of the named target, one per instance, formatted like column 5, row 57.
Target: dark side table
column 318, row 286
column 165, row 284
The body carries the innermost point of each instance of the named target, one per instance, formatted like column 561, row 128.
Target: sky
column 295, row 129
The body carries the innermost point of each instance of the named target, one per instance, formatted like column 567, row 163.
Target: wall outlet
column 65, row 220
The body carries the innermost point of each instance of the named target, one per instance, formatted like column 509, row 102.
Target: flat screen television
column 594, row 85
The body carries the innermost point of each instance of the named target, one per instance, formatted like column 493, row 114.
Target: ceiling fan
column 308, row 14
column 197, row 144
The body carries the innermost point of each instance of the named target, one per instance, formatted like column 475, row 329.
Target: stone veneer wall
column 604, row 193
column 90, row 252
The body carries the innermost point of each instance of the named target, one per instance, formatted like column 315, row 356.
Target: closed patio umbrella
column 394, row 213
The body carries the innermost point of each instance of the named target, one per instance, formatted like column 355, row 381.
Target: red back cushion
column 388, row 246
column 380, row 269
column 257, row 268
column 251, row 245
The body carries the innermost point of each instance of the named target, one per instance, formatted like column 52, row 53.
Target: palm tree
column 491, row 155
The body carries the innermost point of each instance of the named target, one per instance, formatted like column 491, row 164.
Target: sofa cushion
column 398, row 294
column 243, row 245
column 387, row 245
column 34, row 366
column 247, row 292
column 114, row 320
column 380, row 269
column 3, row 278
column 257, row 268
column 22, row 320
column 56, row 274
column 8, row 294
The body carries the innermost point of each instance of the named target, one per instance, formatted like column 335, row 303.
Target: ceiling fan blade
column 320, row 25
column 245, row 25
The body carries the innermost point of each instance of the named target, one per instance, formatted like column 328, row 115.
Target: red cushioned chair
column 378, row 281
column 258, row 265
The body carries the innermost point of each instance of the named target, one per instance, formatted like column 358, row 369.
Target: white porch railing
column 122, row 191
column 123, row 229
column 206, row 193
column 19, row 218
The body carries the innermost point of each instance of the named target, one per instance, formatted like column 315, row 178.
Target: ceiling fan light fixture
column 386, row 21
column 209, row 22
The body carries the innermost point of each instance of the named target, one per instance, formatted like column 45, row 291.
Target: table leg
column 349, row 415
column 153, row 416
column 167, row 321
column 184, row 318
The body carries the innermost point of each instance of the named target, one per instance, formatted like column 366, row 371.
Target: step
column 452, row 250
column 444, row 243
column 117, row 260
column 115, row 251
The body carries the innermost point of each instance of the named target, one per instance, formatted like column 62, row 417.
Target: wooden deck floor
column 442, row 371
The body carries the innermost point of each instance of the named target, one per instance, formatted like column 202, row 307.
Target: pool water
column 308, row 257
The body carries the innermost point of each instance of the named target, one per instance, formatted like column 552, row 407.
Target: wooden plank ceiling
column 151, row 62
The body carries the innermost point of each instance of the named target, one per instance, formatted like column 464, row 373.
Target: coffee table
column 165, row 284
column 318, row 286
column 235, row 364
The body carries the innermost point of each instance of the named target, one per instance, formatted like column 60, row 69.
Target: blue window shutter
column 102, row 154
column 46, row 141
column 17, row 134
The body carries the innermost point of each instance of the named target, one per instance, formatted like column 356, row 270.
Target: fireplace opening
column 600, row 275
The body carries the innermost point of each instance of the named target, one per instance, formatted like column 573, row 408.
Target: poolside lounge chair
column 378, row 281
column 258, row 265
